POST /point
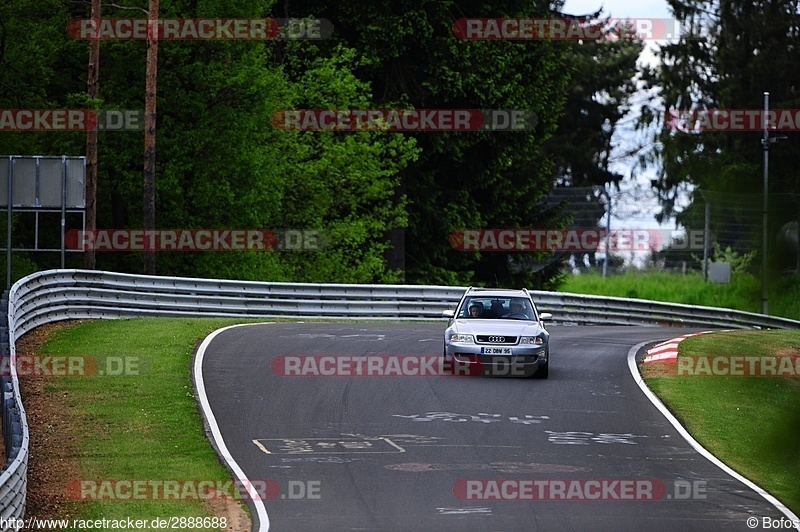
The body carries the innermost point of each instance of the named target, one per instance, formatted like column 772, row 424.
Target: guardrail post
column 706, row 234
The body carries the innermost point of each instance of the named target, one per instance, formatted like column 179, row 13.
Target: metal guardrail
column 56, row 295
column 14, row 478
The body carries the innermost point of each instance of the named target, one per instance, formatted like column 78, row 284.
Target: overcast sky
column 620, row 8
column 623, row 9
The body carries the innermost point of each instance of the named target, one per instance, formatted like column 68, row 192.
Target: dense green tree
column 735, row 52
column 603, row 79
column 602, row 82
column 222, row 164
column 38, row 70
column 461, row 180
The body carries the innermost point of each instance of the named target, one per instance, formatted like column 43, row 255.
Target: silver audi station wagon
column 498, row 331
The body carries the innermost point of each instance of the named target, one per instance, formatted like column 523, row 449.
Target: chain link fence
column 713, row 227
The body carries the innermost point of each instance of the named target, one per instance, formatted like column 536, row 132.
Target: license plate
column 496, row 350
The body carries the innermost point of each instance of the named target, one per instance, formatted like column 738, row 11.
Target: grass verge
column 141, row 425
column 750, row 423
column 743, row 293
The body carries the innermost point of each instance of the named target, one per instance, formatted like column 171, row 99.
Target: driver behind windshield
column 516, row 310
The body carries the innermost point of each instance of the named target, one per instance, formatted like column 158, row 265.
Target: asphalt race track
column 582, row 450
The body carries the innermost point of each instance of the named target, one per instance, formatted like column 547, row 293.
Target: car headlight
column 462, row 338
column 535, row 340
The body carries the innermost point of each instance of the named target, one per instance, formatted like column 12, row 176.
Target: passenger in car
column 476, row 309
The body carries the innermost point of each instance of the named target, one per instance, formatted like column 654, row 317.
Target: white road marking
column 369, row 336
column 326, row 445
column 637, row 377
column 258, row 444
column 465, row 511
column 202, row 398
column 482, row 417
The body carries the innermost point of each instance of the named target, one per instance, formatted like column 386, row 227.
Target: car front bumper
column 522, row 360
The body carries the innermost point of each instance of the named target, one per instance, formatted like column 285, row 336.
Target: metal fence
column 56, row 295
column 711, row 226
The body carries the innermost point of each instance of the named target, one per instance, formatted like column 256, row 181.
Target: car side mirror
column 545, row 316
column 448, row 313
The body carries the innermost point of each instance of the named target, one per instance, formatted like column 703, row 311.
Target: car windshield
column 494, row 307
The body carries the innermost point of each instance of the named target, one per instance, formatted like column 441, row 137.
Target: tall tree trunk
column 89, row 259
column 149, row 188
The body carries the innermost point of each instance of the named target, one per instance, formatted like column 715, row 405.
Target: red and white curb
column 668, row 350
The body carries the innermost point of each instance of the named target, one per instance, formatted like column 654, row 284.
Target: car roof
column 499, row 292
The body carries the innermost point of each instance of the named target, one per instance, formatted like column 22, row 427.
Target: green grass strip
column 750, row 423
column 743, row 293
column 132, row 427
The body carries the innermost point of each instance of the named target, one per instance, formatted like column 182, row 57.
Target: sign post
column 41, row 184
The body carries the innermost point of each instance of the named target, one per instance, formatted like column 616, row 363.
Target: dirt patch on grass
column 668, row 368
column 53, row 460
column 236, row 517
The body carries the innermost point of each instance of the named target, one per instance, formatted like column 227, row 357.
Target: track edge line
column 637, row 377
column 218, row 441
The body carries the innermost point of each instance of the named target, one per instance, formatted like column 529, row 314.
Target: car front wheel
column 544, row 368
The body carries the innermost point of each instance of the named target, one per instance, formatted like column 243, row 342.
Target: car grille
column 496, row 339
